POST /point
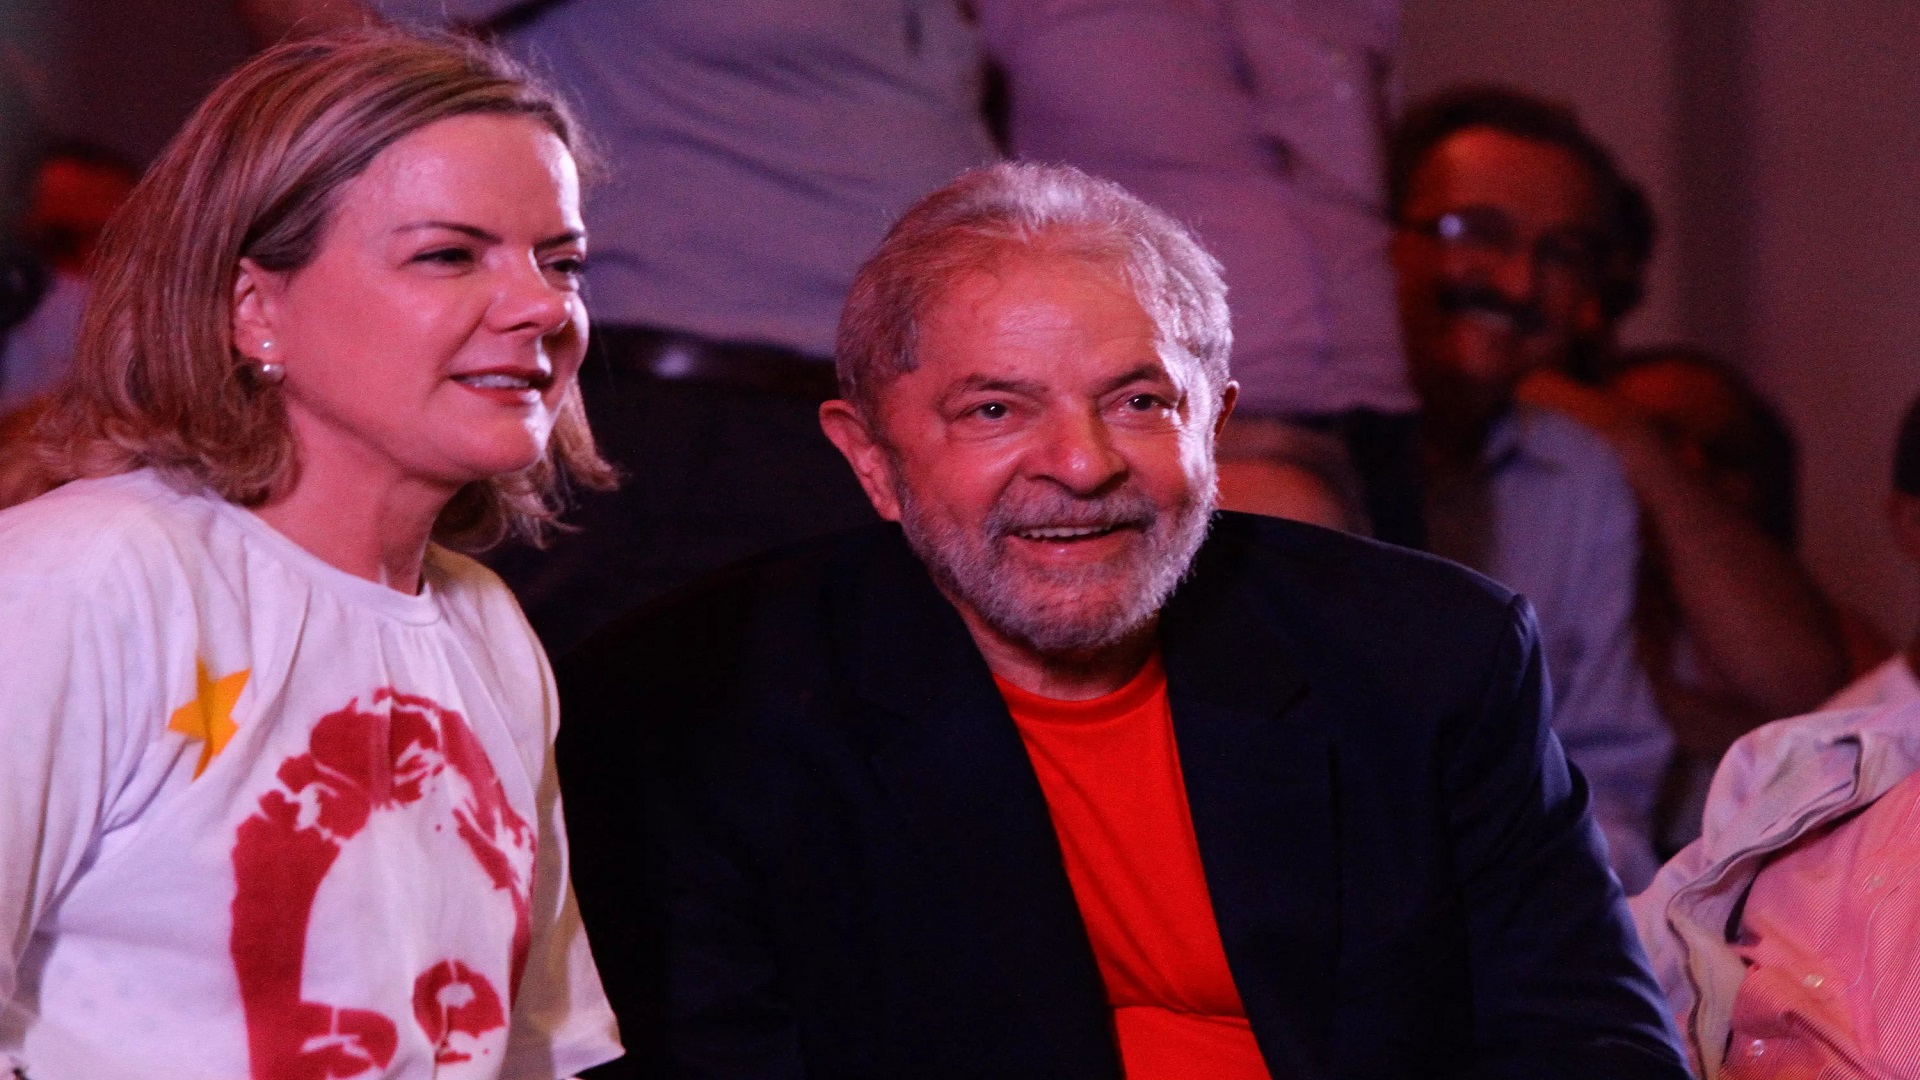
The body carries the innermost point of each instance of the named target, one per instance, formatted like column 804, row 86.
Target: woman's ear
column 256, row 303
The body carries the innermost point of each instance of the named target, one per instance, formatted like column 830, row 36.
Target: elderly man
column 1060, row 774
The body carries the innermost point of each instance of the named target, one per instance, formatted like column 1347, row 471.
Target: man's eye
column 1146, row 402
column 1575, row 254
column 570, row 265
column 992, row 410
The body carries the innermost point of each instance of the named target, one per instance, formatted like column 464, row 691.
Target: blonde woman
column 276, row 789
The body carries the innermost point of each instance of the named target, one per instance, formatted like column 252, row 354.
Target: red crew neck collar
column 1029, row 706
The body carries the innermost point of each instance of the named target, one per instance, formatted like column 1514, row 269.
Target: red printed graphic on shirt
column 360, row 762
column 452, row 999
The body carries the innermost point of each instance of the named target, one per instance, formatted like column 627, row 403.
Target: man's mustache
column 1468, row 298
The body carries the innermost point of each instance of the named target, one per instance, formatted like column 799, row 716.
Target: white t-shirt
column 260, row 817
column 1892, row 683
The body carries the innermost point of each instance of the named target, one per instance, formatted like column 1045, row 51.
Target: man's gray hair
column 987, row 213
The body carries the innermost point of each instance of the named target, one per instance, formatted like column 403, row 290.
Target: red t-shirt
column 1111, row 776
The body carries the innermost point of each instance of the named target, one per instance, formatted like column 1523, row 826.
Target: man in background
column 1503, row 204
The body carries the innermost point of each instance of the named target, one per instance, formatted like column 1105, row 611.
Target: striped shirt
column 1829, row 933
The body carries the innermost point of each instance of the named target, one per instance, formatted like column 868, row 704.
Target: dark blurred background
column 1780, row 141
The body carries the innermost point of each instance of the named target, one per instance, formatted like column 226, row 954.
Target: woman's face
column 430, row 340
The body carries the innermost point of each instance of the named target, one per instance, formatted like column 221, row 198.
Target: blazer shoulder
column 1295, row 558
column 743, row 633
column 1374, row 617
column 797, row 582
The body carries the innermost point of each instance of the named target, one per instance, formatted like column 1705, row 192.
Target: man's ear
column 1228, row 395
column 847, row 429
column 256, row 302
column 1903, row 515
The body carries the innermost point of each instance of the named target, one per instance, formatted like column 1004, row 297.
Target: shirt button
column 1756, row 1048
column 1874, row 881
column 1812, row 982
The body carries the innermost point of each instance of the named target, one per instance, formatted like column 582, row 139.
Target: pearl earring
column 264, row 372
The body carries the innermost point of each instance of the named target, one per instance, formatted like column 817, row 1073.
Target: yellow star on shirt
column 209, row 716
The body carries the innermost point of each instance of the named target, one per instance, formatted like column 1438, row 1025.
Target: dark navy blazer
column 807, row 840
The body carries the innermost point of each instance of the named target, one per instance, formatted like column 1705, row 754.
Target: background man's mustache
column 1467, row 298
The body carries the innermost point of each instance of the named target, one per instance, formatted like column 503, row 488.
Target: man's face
column 1048, row 459
column 1699, row 417
column 1498, row 250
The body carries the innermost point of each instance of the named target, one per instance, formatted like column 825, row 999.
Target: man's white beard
column 1082, row 609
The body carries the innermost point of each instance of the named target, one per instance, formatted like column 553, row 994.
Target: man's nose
column 1077, row 452
column 1515, row 273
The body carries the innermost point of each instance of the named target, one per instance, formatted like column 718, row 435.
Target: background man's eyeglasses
column 1489, row 231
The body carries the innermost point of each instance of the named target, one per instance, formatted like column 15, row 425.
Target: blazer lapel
column 952, row 761
column 1258, row 767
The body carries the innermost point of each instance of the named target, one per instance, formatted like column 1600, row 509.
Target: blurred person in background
column 278, row 797
column 1731, row 627
column 75, row 189
column 1893, row 681
column 756, row 151
column 24, row 281
column 1260, row 126
column 1784, row 936
column 1507, row 223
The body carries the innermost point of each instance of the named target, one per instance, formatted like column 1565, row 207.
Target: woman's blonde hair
column 157, row 381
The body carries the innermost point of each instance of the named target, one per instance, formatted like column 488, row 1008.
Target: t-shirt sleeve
column 562, row 1022
column 77, row 691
